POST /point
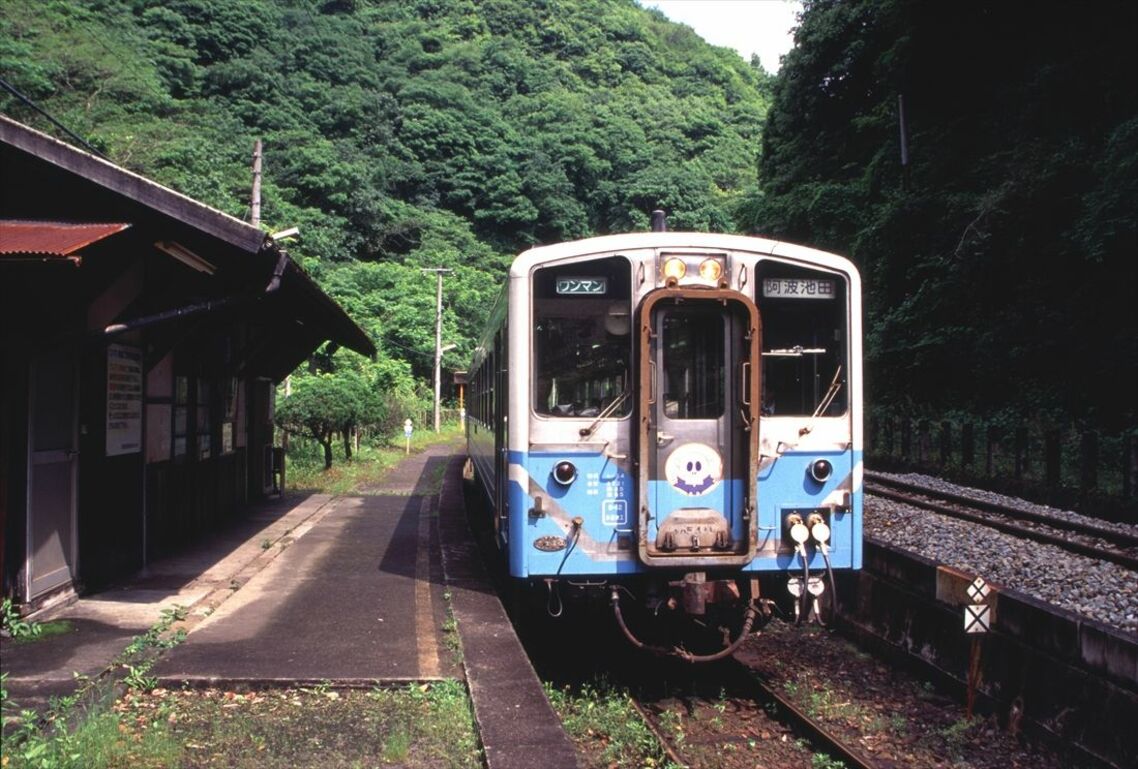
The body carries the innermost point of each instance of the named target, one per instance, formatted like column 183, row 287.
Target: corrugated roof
column 51, row 239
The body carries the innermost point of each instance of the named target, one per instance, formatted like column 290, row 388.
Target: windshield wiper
column 831, row 393
column 605, row 413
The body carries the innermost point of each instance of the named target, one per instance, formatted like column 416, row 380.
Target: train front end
column 684, row 418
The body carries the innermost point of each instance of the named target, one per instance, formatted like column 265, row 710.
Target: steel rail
column 1117, row 536
column 816, row 732
column 665, row 742
column 1024, row 532
column 820, row 737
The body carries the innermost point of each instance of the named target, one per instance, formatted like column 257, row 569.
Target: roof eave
column 132, row 186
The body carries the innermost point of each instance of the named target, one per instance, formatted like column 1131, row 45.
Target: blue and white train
column 664, row 418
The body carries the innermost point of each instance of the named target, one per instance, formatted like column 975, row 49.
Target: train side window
column 582, row 341
column 805, row 340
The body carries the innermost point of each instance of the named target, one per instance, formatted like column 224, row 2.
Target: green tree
column 1001, row 259
column 324, row 406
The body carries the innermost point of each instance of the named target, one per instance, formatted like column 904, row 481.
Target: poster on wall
column 124, row 400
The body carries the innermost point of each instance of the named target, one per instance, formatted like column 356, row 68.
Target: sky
column 748, row 26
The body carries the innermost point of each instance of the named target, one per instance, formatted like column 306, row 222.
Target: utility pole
column 256, row 205
column 439, row 272
column 255, row 220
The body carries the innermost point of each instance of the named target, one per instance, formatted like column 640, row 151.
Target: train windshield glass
column 693, row 365
column 805, row 340
column 582, row 342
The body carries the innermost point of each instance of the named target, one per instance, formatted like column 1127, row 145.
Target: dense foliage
column 400, row 134
column 1000, row 267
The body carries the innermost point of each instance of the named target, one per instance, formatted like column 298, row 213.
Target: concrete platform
column 349, row 590
column 353, row 600
column 198, row 579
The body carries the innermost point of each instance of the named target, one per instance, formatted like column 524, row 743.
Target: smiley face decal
column 694, row 469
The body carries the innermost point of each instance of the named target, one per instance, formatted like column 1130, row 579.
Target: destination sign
column 574, row 286
column 799, row 288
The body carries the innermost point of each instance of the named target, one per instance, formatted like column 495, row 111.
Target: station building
column 141, row 337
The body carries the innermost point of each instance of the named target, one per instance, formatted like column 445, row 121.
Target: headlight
column 674, row 270
column 710, row 270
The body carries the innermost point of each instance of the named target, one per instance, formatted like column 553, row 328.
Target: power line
column 125, row 61
column 12, row 90
column 405, row 348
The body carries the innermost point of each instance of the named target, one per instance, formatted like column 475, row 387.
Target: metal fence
column 1058, row 465
column 425, row 420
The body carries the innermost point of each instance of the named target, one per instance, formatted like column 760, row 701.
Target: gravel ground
column 1095, row 589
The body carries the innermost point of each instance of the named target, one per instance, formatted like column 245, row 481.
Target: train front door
column 699, row 427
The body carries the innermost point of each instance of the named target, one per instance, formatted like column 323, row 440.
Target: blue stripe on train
column 603, row 497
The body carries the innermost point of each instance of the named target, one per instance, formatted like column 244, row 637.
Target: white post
column 439, row 271
column 256, row 203
column 438, row 346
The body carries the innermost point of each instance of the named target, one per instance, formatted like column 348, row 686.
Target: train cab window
column 805, row 340
column 582, row 342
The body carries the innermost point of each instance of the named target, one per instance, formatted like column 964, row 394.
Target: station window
column 202, row 420
column 805, row 340
column 582, row 344
column 181, row 416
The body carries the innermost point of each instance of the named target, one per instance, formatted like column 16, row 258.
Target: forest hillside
column 1001, row 263
column 403, row 134
column 999, row 251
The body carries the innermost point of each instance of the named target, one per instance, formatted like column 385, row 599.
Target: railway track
column 748, row 710
column 1094, row 540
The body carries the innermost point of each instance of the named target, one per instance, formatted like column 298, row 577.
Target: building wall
column 13, row 466
column 188, row 474
column 110, row 483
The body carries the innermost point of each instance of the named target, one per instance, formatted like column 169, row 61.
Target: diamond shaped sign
column 978, row 590
column 977, row 618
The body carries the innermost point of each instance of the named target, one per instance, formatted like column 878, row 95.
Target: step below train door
column 698, row 441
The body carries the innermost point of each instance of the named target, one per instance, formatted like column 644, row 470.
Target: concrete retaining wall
column 1046, row 671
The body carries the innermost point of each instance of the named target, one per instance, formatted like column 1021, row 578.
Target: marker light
column 564, row 473
column 710, row 270
column 821, row 470
column 674, row 270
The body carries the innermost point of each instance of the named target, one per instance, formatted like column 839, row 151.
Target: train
column 670, row 424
